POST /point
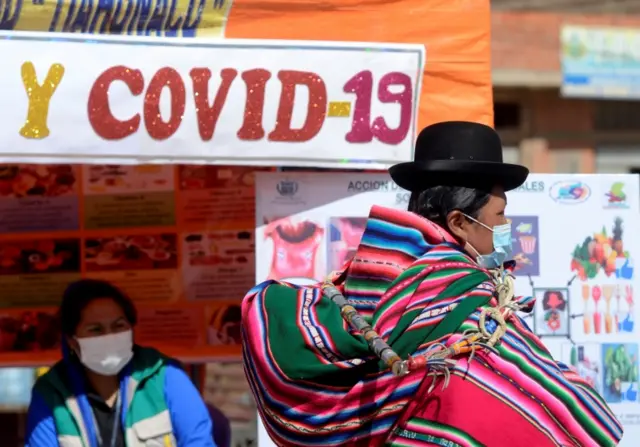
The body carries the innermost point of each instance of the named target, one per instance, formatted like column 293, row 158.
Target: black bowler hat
column 458, row 153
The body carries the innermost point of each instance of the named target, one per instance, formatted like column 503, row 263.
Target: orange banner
column 456, row 33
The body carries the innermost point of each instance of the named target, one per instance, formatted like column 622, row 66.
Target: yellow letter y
column 39, row 96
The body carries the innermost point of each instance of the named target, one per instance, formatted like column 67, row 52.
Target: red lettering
column 316, row 106
column 107, row 126
column 379, row 126
column 208, row 115
column 101, row 119
column 362, row 130
column 362, row 85
column 157, row 128
column 255, row 81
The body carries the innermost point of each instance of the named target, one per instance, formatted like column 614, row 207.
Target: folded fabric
column 317, row 383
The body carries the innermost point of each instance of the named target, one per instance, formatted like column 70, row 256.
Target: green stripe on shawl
column 564, row 394
column 412, row 274
column 297, row 360
column 287, row 343
column 406, row 342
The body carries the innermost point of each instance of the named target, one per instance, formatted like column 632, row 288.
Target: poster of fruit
column 603, row 251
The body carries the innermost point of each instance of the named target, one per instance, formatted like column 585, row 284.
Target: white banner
column 152, row 100
column 575, row 237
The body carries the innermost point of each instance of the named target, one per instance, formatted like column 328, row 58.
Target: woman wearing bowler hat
column 434, row 353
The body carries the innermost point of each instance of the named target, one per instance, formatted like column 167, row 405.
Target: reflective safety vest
column 148, row 421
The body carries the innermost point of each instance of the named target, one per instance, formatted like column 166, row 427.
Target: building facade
column 539, row 127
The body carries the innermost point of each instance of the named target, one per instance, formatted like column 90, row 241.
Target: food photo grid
column 179, row 240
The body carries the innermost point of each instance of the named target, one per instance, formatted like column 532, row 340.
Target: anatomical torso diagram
column 295, row 248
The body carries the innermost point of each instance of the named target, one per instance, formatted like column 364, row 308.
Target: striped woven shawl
column 317, row 384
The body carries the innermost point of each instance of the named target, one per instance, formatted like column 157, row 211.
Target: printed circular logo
column 570, row 192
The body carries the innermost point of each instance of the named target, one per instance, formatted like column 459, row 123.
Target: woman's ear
column 457, row 224
column 74, row 346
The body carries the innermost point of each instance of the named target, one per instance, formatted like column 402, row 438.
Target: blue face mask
column 501, row 246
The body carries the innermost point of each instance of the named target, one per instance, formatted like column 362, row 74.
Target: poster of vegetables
column 620, row 361
column 603, row 251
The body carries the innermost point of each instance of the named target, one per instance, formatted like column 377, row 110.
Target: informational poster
column 133, row 100
column 178, row 240
column 574, row 240
column 586, row 73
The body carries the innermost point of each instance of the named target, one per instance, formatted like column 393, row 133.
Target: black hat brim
column 417, row 176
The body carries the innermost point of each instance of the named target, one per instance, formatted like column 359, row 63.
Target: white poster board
column 125, row 100
column 575, row 235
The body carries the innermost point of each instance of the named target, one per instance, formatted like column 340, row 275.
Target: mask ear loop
column 481, row 224
column 478, row 222
column 467, row 245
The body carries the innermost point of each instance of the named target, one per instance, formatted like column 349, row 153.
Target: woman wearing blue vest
column 106, row 392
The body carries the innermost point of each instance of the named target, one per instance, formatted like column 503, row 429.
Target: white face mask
column 106, row 354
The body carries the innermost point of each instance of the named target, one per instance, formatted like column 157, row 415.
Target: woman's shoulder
column 148, row 356
column 148, row 361
column 449, row 254
column 52, row 381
